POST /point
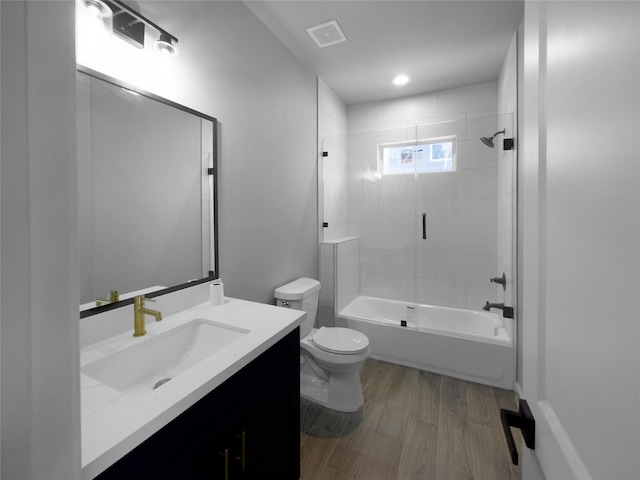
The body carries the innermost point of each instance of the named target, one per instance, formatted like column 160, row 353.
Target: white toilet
column 330, row 358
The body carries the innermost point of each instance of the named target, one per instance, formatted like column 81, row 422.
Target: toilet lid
column 340, row 340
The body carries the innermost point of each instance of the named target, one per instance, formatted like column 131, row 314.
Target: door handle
column 226, row 463
column 522, row 419
column 424, row 226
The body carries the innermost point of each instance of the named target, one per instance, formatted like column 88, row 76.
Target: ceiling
column 438, row 44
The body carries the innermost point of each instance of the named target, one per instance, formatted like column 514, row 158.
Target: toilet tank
column 301, row 294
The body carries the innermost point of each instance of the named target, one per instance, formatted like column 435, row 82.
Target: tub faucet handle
column 501, row 280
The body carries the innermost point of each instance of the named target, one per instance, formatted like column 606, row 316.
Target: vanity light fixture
column 165, row 46
column 130, row 25
column 97, row 8
column 400, row 80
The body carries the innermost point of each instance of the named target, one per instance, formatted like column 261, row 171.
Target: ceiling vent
column 327, row 34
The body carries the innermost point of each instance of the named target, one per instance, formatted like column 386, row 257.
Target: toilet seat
column 342, row 341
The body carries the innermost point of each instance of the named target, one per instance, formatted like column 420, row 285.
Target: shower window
column 424, row 156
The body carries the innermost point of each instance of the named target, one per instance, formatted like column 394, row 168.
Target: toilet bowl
column 330, row 369
column 330, row 357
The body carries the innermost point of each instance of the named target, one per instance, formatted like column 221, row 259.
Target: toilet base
column 323, row 422
column 314, row 388
column 342, row 393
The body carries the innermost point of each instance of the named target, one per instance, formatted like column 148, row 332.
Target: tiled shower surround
column 339, row 276
column 452, row 266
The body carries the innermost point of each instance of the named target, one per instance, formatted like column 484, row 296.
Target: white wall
column 265, row 100
column 347, row 276
column 231, row 67
column 40, row 393
column 339, row 276
column 453, row 266
column 581, row 236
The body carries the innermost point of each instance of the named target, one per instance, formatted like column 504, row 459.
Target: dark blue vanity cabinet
column 247, row 428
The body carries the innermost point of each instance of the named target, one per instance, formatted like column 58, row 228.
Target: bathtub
column 467, row 344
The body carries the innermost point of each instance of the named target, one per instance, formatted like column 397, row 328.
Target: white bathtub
column 467, row 344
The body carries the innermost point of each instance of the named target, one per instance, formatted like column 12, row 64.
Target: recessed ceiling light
column 401, row 80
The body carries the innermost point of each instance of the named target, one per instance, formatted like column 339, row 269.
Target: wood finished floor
column 417, row 426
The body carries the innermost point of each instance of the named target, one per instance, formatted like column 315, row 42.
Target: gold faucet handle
column 152, row 300
column 157, row 314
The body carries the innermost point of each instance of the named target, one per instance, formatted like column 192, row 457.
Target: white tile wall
column 441, row 126
column 339, row 277
column 424, row 105
column 365, row 115
column 348, row 272
column 467, row 99
column 326, row 302
column 397, row 186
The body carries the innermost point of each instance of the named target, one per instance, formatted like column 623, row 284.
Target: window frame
column 415, row 143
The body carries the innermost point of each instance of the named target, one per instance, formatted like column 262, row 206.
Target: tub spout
column 488, row 306
column 507, row 312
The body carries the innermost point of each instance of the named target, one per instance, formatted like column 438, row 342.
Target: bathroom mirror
column 146, row 193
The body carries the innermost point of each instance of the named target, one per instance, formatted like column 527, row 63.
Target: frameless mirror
column 146, row 193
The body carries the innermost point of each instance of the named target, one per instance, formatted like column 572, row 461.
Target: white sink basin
column 141, row 368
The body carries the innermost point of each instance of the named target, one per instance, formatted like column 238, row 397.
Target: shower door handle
column 424, row 226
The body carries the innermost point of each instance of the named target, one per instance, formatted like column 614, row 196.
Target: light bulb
column 97, row 8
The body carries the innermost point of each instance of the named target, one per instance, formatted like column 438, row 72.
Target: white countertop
column 114, row 423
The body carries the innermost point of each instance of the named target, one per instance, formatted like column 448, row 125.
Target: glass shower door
column 431, row 206
column 387, row 244
column 456, row 239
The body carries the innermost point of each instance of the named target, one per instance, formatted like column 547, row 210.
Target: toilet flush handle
column 285, row 304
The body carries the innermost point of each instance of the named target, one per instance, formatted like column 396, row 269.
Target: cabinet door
column 195, row 462
column 273, row 426
column 258, row 438
column 215, row 454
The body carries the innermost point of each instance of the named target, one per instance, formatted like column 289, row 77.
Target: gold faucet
column 113, row 297
column 139, row 311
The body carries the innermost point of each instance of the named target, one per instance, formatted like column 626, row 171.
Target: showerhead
column 488, row 141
